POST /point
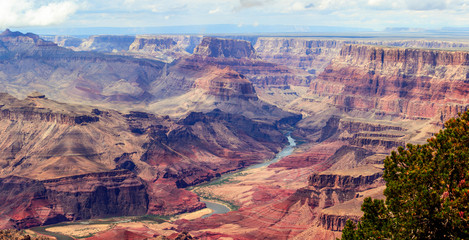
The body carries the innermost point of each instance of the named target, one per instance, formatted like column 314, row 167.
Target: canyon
column 123, row 125
column 65, row 162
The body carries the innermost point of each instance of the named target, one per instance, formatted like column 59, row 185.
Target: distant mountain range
column 195, row 29
column 249, row 29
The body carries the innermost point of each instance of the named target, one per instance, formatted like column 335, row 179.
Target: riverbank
column 215, row 205
column 221, row 204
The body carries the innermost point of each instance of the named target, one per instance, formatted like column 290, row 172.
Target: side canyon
column 124, row 125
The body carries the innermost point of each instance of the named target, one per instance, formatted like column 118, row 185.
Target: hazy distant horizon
column 269, row 30
column 242, row 16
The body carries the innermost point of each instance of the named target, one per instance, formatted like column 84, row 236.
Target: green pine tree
column 427, row 190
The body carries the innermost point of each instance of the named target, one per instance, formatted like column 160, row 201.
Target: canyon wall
column 165, row 48
column 314, row 54
column 216, row 47
column 409, row 83
column 79, row 162
column 30, row 202
column 106, row 43
column 32, row 64
column 142, row 161
column 311, row 55
column 226, row 84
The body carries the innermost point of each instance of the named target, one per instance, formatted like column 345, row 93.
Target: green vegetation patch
column 427, row 191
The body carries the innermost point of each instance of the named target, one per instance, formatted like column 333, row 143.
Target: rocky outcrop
column 26, row 110
column 176, row 151
column 13, row 38
column 333, row 219
column 82, row 76
column 355, row 182
column 260, row 73
column 104, row 158
column 32, row 115
column 334, row 222
column 422, row 43
column 311, row 55
column 99, row 194
column 31, row 203
column 226, row 84
column 164, row 47
column 409, row 83
column 225, row 48
column 167, row 199
column 377, row 136
column 380, row 141
column 240, row 56
column 106, row 43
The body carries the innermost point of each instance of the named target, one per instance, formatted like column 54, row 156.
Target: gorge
column 115, row 126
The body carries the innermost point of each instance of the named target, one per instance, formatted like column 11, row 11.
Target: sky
column 372, row 14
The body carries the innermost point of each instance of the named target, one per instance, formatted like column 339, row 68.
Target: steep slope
column 164, row 48
column 311, row 55
column 409, row 83
column 217, row 47
column 50, row 146
column 366, row 102
column 314, row 54
column 124, row 82
column 106, row 43
column 381, row 98
column 30, row 63
column 226, row 84
column 203, row 83
column 241, row 57
column 347, row 142
column 228, row 91
column 27, row 202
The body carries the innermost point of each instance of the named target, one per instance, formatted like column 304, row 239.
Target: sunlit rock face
column 74, row 162
column 228, row 48
column 27, row 202
column 226, row 84
column 409, row 83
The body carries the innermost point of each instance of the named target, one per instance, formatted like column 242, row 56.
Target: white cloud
column 376, row 14
column 213, row 11
column 243, row 4
column 21, row 13
column 383, row 4
column 426, row 5
column 297, row 6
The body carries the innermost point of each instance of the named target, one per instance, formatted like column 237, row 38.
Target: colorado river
column 58, row 236
column 218, row 208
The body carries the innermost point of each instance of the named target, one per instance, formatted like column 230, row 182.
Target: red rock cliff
column 228, row 48
column 28, row 202
column 409, row 83
column 226, row 84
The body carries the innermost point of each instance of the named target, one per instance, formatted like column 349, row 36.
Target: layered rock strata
column 226, row 48
column 32, row 64
column 226, row 84
column 121, row 164
column 408, row 83
column 30, row 202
